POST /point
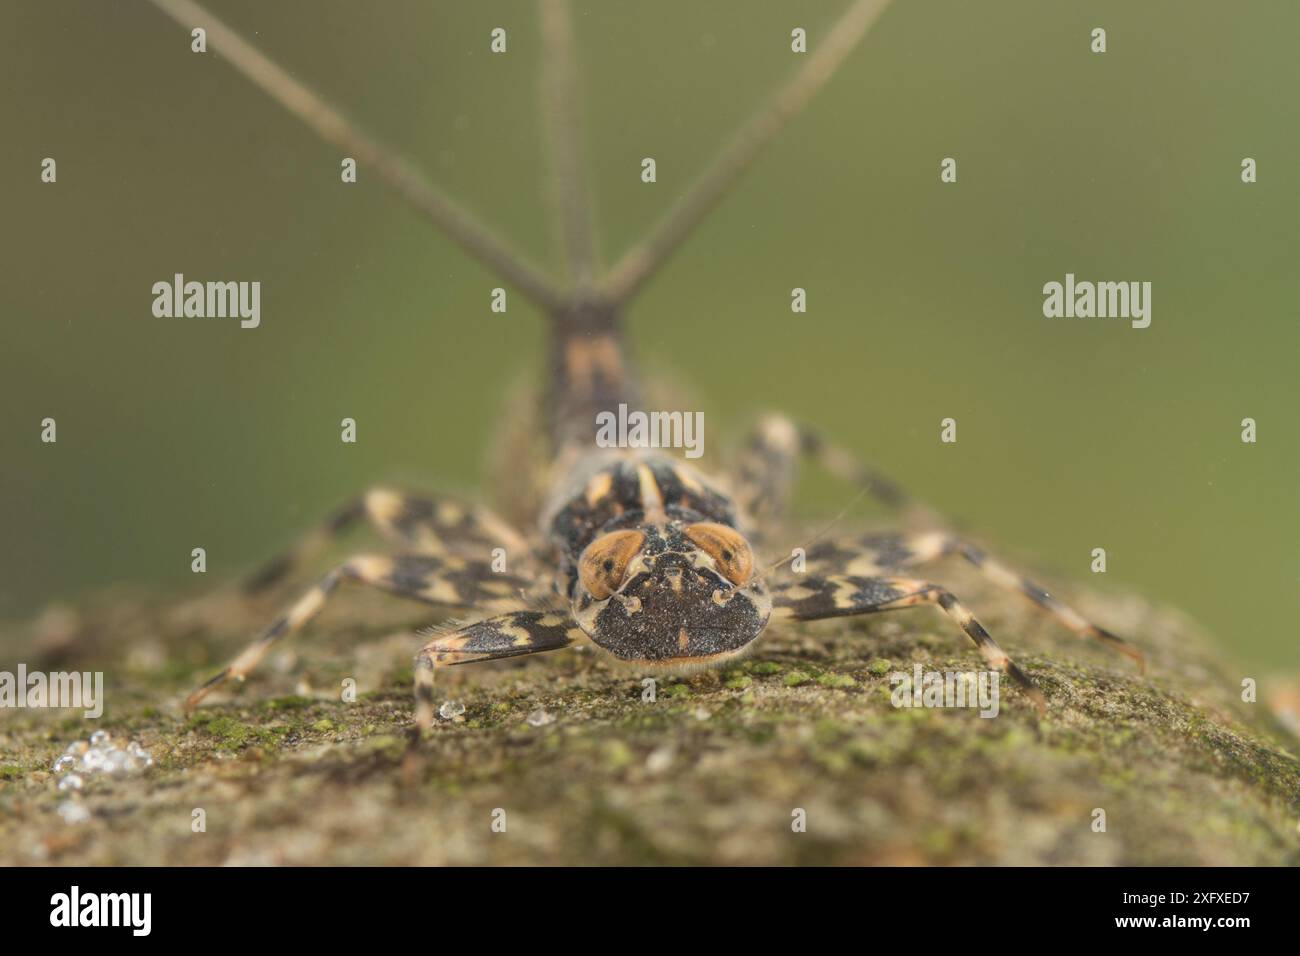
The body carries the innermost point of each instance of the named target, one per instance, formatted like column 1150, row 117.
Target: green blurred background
column 924, row 299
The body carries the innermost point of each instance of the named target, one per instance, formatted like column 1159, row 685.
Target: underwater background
column 924, row 299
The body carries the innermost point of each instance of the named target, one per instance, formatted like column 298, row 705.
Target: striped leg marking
column 1004, row 577
column 764, row 467
column 433, row 579
column 428, row 525
column 846, row 466
column 877, row 554
column 496, row 638
column 814, row 598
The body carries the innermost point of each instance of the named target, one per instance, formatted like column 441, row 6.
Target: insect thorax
column 611, row 489
column 653, row 519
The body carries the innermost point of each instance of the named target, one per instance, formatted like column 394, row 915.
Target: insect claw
column 1124, row 647
column 1037, row 699
column 210, row 685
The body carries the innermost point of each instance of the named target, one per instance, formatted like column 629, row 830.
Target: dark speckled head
column 677, row 591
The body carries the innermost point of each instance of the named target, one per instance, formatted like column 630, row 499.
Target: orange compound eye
column 604, row 562
column 727, row 547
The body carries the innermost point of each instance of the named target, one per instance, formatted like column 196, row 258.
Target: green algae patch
column 707, row 774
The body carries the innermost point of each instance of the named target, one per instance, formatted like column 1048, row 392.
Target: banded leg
column 764, row 467
column 433, row 579
column 427, row 525
column 814, row 598
column 844, row 465
column 493, row 639
column 766, row 462
column 877, row 554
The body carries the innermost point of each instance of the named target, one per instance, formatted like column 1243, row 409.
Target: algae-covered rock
column 795, row 755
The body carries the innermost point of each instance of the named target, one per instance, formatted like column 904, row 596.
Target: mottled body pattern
column 636, row 551
column 633, row 550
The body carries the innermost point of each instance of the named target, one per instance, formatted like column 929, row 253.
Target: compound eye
column 605, row 561
column 727, row 547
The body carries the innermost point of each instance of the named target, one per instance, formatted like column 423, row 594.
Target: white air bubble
column 540, row 718
column 93, row 761
column 73, row 811
column 117, row 762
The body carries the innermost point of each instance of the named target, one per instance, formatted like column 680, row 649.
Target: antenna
column 565, row 146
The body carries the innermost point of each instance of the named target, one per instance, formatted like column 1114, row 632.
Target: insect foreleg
column 496, row 638
column 876, row 554
column 429, row 525
column 766, row 463
column 446, row 580
column 813, row 598
column 846, row 466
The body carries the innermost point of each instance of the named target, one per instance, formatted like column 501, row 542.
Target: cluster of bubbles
column 98, row 755
column 451, row 709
